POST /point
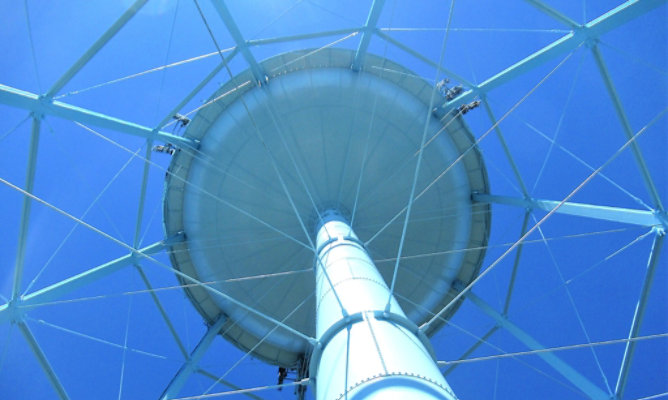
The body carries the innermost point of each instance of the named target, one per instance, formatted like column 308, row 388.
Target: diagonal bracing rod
column 59, row 289
column 577, row 379
column 192, row 363
column 626, row 125
column 27, row 205
column 604, row 213
column 238, row 38
column 590, row 31
column 99, row 44
column 639, row 314
column 43, row 361
column 29, row 101
column 367, row 33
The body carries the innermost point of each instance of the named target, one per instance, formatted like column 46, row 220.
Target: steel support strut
column 43, row 361
column 29, row 101
column 554, row 13
column 99, row 43
column 27, row 204
column 367, row 33
column 238, row 38
column 639, row 315
column 192, row 363
column 626, row 126
column 569, row 42
column 385, row 354
column 604, row 213
column 592, row 391
column 59, row 289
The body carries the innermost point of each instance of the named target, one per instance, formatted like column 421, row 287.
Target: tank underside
column 318, row 135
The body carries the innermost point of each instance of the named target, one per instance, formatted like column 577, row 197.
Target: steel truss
column 14, row 311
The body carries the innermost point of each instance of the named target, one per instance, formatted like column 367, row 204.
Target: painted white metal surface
column 367, row 357
column 273, row 156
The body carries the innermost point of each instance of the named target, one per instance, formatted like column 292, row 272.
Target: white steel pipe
column 365, row 351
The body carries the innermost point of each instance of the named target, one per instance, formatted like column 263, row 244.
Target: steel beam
column 190, row 365
column 626, row 125
column 136, row 244
column 238, row 38
column 142, row 194
column 516, row 264
column 43, row 361
column 552, row 12
column 559, row 47
column 621, row 14
column 68, row 285
column 590, row 31
column 39, row 105
column 27, row 205
column 99, row 43
column 196, row 90
column 605, row 213
column 638, row 316
column 367, row 33
column 578, row 380
column 57, row 290
column 506, row 150
column 161, row 309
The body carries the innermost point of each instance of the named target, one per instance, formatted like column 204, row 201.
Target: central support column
column 365, row 352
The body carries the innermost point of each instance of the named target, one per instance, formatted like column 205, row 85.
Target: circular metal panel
column 318, row 135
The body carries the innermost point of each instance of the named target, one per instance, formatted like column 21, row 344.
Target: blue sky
column 579, row 285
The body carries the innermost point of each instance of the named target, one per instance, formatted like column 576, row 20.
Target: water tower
column 327, row 196
column 284, row 178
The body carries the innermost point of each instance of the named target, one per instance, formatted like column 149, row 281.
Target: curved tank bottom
column 318, row 135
